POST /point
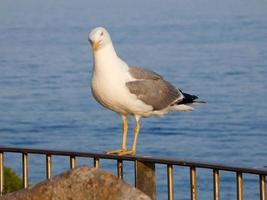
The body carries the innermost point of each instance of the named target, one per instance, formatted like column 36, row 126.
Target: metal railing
column 144, row 170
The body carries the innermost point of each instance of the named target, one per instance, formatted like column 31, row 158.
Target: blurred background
column 216, row 50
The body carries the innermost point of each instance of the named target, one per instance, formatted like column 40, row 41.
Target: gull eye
column 102, row 33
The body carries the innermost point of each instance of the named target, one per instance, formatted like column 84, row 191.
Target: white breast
column 109, row 89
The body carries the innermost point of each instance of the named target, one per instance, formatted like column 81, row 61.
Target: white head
column 99, row 37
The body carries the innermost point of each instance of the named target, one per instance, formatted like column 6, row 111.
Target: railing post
column 96, row 163
column 120, row 169
column 216, row 184
column 1, row 173
column 72, row 162
column 193, row 182
column 48, row 166
column 262, row 187
column 170, row 182
column 145, row 178
column 239, row 186
column 25, row 169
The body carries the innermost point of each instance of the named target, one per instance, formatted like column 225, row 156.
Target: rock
column 82, row 183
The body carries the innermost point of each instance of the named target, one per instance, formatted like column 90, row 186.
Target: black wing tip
column 190, row 99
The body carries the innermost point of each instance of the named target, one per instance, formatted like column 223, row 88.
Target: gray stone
column 82, row 183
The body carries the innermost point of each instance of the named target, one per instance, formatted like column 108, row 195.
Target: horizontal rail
column 149, row 159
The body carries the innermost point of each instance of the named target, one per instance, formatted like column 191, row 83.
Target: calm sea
column 216, row 50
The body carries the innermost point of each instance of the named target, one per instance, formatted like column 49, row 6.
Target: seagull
column 131, row 90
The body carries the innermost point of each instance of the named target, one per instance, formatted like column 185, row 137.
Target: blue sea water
column 216, row 50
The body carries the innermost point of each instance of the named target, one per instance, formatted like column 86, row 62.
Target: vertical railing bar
column 1, row 173
column 216, row 184
column 72, row 162
column 25, row 169
column 262, row 187
column 48, row 166
column 170, row 182
column 120, row 169
column 239, row 186
column 193, row 182
column 96, row 163
column 135, row 173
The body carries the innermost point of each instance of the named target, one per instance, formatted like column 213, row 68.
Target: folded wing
column 152, row 89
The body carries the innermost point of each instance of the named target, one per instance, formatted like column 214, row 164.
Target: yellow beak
column 95, row 46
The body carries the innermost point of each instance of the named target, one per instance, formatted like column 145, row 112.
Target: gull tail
column 181, row 108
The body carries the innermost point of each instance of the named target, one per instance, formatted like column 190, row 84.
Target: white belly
column 112, row 93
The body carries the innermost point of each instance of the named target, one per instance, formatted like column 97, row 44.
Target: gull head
column 99, row 37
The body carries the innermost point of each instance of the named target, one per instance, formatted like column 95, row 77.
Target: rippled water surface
column 216, row 51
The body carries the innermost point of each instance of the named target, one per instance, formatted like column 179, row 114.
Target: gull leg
column 136, row 133
column 124, row 137
column 125, row 131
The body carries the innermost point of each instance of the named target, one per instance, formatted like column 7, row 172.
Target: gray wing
column 152, row 89
column 141, row 73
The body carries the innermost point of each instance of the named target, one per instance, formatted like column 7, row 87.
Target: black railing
column 143, row 165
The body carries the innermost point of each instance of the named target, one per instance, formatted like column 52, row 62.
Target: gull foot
column 127, row 152
column 118, row 151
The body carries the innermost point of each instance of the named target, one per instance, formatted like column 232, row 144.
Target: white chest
column 109, row 89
